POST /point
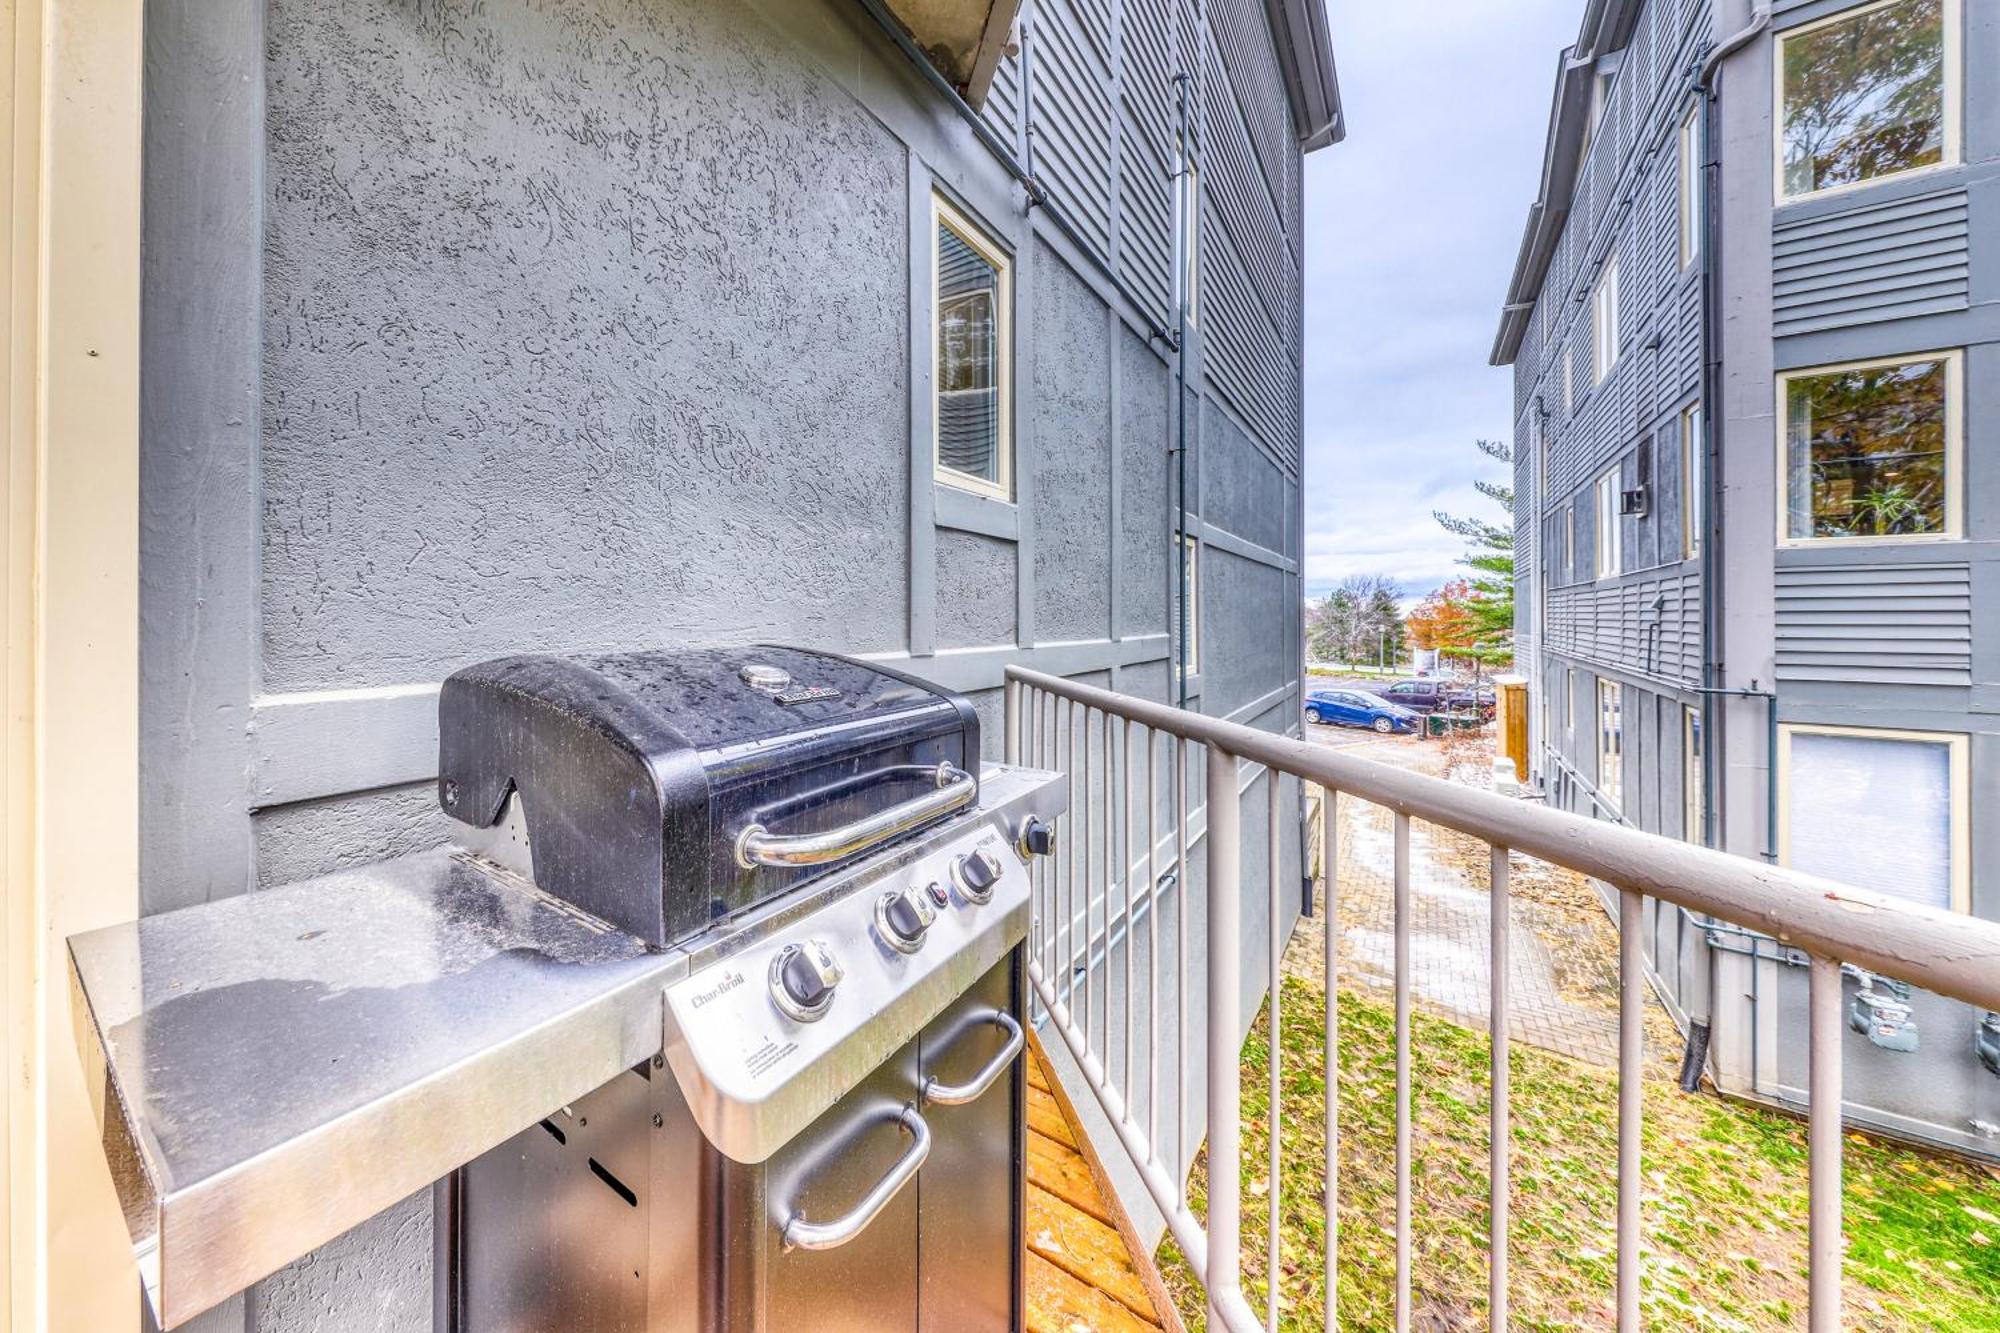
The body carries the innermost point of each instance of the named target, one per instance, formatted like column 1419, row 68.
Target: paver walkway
column 1563, row 997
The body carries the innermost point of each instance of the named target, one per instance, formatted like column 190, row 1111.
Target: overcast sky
column 1412, row 226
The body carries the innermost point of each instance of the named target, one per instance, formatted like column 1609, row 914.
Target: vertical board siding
column 1884, row 261
column 1891, row 624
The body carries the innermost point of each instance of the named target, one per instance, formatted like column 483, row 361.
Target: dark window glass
column 1866, row 451
column 968, row 359
column 1864, row 96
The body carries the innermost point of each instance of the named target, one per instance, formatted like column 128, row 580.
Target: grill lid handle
column 803, row 1235
column 958, row 1094
column 758, row 846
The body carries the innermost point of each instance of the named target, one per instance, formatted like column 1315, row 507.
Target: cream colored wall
column 69, row 260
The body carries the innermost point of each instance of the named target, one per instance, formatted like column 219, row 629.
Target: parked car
column 1356, row 708
column 1428, row 696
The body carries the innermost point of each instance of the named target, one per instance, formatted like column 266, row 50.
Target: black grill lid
column 637, row 771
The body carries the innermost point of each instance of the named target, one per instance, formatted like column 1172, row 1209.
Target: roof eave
column 1560, row 158
column 1305, row 58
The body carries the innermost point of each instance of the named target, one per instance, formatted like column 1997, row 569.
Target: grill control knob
column 803, row 977
column 1038, row 837
column 902, row 916
column 976, row 874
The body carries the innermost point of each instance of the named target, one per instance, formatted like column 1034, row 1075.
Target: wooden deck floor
column 1081, row 1274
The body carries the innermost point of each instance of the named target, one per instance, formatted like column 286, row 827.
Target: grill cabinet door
column 970, row 1190
column 869, row 1284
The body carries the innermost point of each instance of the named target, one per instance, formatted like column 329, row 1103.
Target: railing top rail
column 1943, row 952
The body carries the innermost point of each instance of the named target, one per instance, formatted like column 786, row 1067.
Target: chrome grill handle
column 799, row 1234
column 948, row 1094
column 758, row 846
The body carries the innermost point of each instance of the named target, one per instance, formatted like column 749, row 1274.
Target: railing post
column 1823, row 1103
column 1500, row 1020
column 1631, row 1064
column 1013, row 697
column 1225, row 958
column 1329, row 809
column 1403, row 1107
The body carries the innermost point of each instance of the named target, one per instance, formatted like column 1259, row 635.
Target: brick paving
column 1449, row 940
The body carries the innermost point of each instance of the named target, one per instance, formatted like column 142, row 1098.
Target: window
column 1188, row 202
column 1569, row 387
column 1882, row 810
column 1611, row 741
column 974, row 444
column 1608, row 553
column 1694, row 803
column 1191, row 570
column 1604, row 322
column 1866, row 95
column 1871, row 451
column 1694, row 496
column 1569, row 541
column 1691, row 187
column 1569, row 701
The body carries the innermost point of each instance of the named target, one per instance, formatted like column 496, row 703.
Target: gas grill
column 711, row 1021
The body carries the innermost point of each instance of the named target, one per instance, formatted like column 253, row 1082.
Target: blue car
column 1352, row 708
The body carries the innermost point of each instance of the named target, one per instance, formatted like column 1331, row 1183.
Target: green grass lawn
column 1725, row 1196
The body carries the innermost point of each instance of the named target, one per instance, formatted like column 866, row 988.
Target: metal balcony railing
column 1123, row 864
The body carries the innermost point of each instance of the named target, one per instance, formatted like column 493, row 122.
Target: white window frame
column 1959, row 747
column 1610, row 554
column 1611, row 690
column 1604, row 321
column 1953, row 81
column 1191, row 558
column 945, row 214
column 1691, row 187
column 1569, row 542
column 1954, row 449
column 1569, row 704
column 1694, row 803
column 1694, row 492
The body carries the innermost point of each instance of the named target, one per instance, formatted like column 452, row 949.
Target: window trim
column 1954, row 66
column 944, row 213
column 1616, row 800
column 1954, row 450
column 1694, row 468
column 1605, row 320
column 1607, row 539
column 1691, row 187
column 1694, row 795
column 1959, row 746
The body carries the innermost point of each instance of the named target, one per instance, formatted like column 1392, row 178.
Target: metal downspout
column 1183, row 184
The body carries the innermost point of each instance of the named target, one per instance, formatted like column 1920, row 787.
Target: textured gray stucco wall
column 1145, row 399
column 1073, row 472
column 556, row 295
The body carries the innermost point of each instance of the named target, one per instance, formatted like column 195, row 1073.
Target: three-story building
column 1753, row 327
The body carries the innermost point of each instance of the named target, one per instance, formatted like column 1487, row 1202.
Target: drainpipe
column 1704, row 87
column 1183, row 185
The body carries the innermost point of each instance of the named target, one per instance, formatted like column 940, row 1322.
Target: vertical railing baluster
column 1152, row 945
column 1823, row 1102
column 1631, row 1056
column 1225, row 956
column 1079, row 828
column 1329, row 811
column 1498, row 1123
column 1181, row 890
column 1402, row 983
column 1125, row 878
column 1089, row 833
column 1109, row 833
column 1012, row 704
column 1274, row 914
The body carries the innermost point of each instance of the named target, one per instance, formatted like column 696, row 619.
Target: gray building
column 475, row 328
column 1753, row 335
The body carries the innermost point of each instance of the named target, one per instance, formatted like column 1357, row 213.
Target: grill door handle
column 799, row 1234
column 758, row 846
column 949, row 1094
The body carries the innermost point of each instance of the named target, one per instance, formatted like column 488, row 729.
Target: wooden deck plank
column 1058, row 1303
column 1062, row 1172
column 1087, row 1250
column 1045, row 1117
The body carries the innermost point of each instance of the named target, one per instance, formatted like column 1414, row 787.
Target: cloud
column 1412, row 226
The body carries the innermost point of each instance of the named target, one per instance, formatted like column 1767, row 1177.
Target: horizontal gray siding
column 1892, row 624
column 1885, row 261
column 1614, row 624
